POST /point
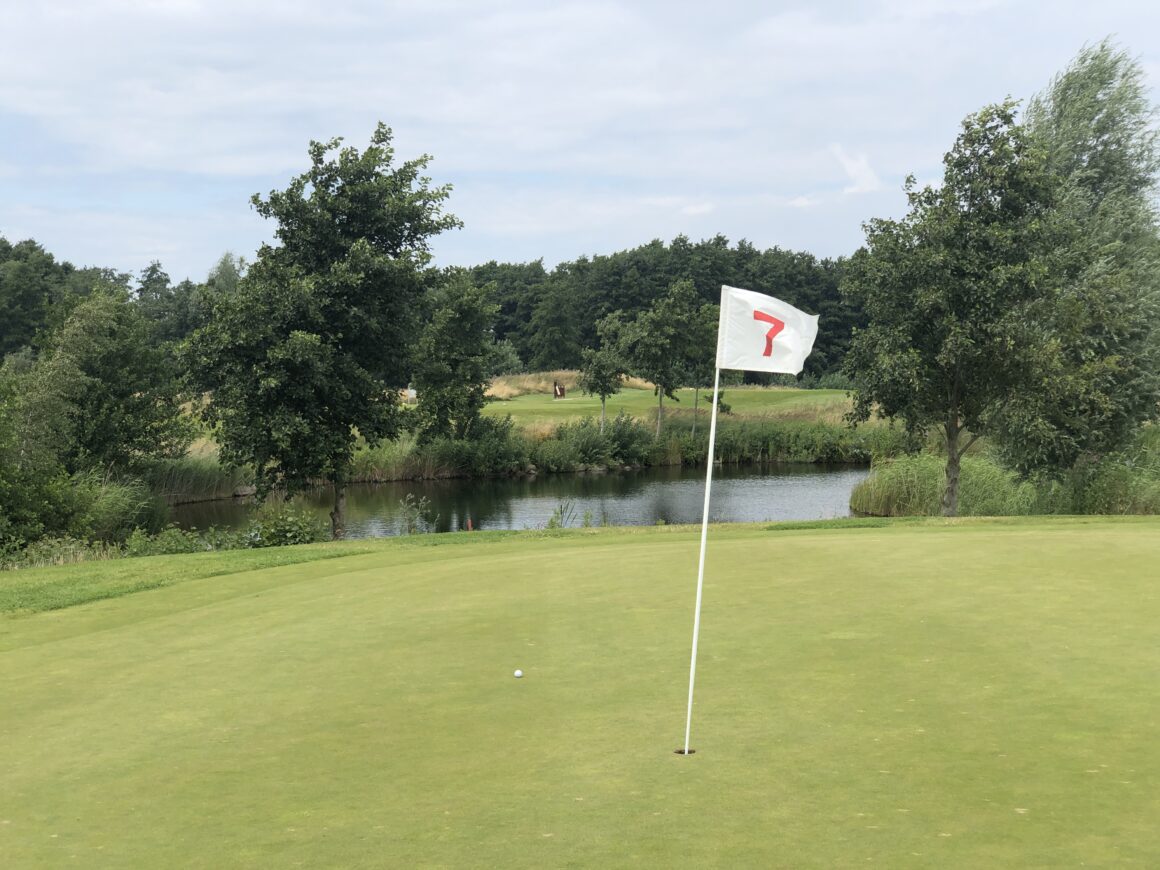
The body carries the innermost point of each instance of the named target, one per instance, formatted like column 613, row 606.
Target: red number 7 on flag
column 778, row 326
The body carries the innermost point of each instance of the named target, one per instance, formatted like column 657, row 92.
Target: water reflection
column 674, row 495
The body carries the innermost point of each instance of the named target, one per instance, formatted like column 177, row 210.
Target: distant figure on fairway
column 557, row 390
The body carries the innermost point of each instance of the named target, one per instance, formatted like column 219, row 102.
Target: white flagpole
column 701, row 563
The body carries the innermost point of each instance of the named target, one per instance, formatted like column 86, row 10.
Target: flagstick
column 701, row 563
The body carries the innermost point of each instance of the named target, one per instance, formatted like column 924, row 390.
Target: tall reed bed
column 913, row 486
column 197, row 477
column 1124, row 483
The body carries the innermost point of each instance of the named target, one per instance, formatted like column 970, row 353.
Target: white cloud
column 857, row 167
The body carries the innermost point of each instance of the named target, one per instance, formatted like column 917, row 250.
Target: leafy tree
column 517, row 289
column 1102, row 376
column 602, row 369
column 227, row 272
column 174, row 310
column 954, row 292
column 29, row 279
column 452, row 356
column 123, row 393
column 503, row 358
column 312, row 346
column 655, row 343
column 701, row 359
column 554, row 332
column 36, row 496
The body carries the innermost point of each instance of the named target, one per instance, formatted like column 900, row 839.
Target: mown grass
column 967, row 694
column 537, row 409
column 53, row 588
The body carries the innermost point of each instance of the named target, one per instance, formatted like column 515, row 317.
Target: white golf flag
column 758, row 333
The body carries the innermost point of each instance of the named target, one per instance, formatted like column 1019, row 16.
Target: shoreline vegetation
column 527, row 432
column 524, row 431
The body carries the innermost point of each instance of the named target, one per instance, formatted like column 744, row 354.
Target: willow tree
column 312, row 349
column 1097, row 129
column 953, row 292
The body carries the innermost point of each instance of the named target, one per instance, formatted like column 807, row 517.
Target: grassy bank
column 963, row 695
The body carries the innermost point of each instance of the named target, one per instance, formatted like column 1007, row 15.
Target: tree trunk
column 950, row 499
column 602, row 401
column 696, row 396
column 660, row 409
column 338, row 515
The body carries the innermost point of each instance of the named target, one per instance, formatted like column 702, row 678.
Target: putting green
column 975, row 694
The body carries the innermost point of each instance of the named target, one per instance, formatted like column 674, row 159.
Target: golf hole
column 683, row 752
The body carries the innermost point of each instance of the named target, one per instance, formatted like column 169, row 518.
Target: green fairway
column 747, row 403
column 972, row 694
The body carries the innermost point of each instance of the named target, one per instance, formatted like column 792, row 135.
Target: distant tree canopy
column 37, row 292
column 551, row 316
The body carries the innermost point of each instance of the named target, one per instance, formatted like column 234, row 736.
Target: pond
column 633, row 498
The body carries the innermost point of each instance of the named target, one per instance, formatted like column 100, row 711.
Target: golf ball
column 518, row 673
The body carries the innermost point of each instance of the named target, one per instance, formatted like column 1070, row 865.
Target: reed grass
column 913, row 486
column 196, row 477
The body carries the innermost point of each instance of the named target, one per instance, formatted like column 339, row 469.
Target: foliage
column 281, row 526
column 564, row 515
column 174, row 310
column 312, row 346
column 415, row 515
column 554, row 338
column 655, row 345
column 1127, row 482
column 912, row 486
column 29, row 278
column 120, row 386
column 495, row 449
column 629, row 440
column 192, row 478
column 601, row 374
column 954, row 292
column 552, row 316
column 452, row 358
column 503, row 358
column 1101, row 377
column 36, row 496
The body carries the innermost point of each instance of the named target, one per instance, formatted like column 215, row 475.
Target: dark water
column 644, row 497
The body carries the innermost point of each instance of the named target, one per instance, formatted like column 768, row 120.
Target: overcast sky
column 136, row 130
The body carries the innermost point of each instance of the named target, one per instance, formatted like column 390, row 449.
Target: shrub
column 64, row 550
column 586, row 443
column 555, row 455
column 415, row 516
column 629, row 440
column 282, row 526
column 166, row 542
